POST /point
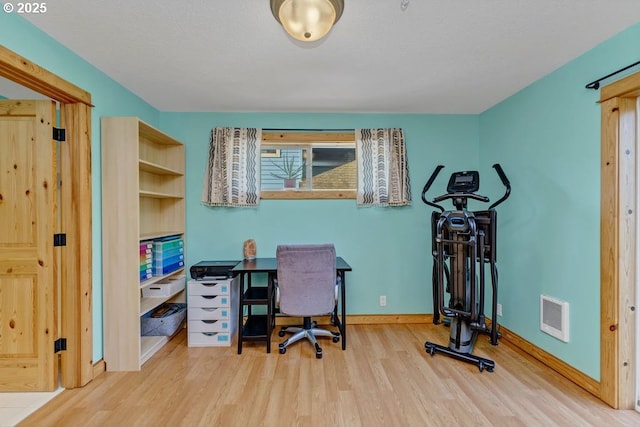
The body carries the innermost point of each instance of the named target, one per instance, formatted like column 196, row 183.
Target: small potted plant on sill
column 289, row 173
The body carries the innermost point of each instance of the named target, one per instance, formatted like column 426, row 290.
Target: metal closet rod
column 596, row 83
column 305, row 130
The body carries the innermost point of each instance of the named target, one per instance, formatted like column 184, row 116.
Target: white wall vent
column 554, row 317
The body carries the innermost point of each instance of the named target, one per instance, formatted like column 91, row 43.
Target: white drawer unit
column 210, row 339
column 209, row 326
column 210, row 287
column 212, row 307
column 208, row 313
column 209, row 301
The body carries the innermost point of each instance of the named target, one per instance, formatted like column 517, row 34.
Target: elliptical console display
column 463, row 242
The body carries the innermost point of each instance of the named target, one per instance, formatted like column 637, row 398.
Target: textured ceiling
column 437, row 56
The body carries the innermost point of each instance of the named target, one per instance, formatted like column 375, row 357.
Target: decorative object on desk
column 249, row 249
column 289, row 172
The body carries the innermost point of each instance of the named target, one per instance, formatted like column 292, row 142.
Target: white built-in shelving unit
column 142, row 199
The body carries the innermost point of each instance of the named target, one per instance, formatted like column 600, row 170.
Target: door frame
column 77, row 365
column 618, row 311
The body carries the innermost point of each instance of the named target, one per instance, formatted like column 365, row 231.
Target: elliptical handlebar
column 432, row 178
column 457, row 195
column 428, row 185
column 505, row 182
column 502, row 176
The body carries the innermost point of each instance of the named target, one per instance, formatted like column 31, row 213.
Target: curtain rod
column 596, row 83
column 305, row 130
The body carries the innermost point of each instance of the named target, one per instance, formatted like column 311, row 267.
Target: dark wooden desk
column 259, row 327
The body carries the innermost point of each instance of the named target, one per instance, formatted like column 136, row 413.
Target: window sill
column 308, row 194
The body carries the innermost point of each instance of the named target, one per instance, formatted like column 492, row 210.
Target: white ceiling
column 437, row 56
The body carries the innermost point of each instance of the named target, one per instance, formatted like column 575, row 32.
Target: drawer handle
column 209, row 322
column 208, row 309
column 209, row 334
column 209, row 296
column 210, row 284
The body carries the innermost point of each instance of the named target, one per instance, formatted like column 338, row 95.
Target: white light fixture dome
column 307, row 20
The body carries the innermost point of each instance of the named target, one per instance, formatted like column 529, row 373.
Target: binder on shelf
column 162, row 245
column 146, row 268
column 146, row 247
column 161, row 262
column 166, row 253
column 162, row 270
column 168, row 238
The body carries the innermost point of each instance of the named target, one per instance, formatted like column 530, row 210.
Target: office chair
column 306, row 287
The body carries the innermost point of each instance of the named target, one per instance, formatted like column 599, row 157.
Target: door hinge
column 60, row 239
column 59, row 134
column 60, row 345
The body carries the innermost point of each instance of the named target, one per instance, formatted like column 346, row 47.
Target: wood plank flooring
column 384, row 378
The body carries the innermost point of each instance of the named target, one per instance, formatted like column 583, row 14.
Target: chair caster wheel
column 281, row 334
column 318, row 352
column 335, row 339
column 283, row 350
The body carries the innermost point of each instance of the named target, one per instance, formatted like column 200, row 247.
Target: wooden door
column 28, row 295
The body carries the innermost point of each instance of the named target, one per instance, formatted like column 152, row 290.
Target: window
column 308, row 165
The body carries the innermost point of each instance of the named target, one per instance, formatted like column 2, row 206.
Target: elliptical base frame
column 482, row 363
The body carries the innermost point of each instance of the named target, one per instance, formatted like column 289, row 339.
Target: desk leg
column 240, row 312
column 270, row 313
column 343, row 320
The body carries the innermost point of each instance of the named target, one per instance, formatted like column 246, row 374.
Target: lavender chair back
column 306, row 279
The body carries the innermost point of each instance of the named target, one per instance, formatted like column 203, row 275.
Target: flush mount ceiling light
column 307, row 20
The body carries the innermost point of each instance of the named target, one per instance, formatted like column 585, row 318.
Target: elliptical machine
column 462, row 243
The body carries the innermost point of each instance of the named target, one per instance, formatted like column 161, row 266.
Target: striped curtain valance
column 383, row 170
column 232, row 176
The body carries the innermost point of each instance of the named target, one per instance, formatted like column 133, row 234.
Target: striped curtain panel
column 383, row 171
column 232, row 177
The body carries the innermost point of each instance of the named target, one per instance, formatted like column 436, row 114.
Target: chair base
column 308, row 331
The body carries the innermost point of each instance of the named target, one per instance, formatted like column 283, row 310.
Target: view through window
column 295, row 165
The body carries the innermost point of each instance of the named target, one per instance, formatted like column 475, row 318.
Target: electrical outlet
column 383, row 300
column 499, row 309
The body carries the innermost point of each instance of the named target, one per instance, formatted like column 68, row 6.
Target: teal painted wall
column 388, row 248
column 109, row 98
column 548, row 137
